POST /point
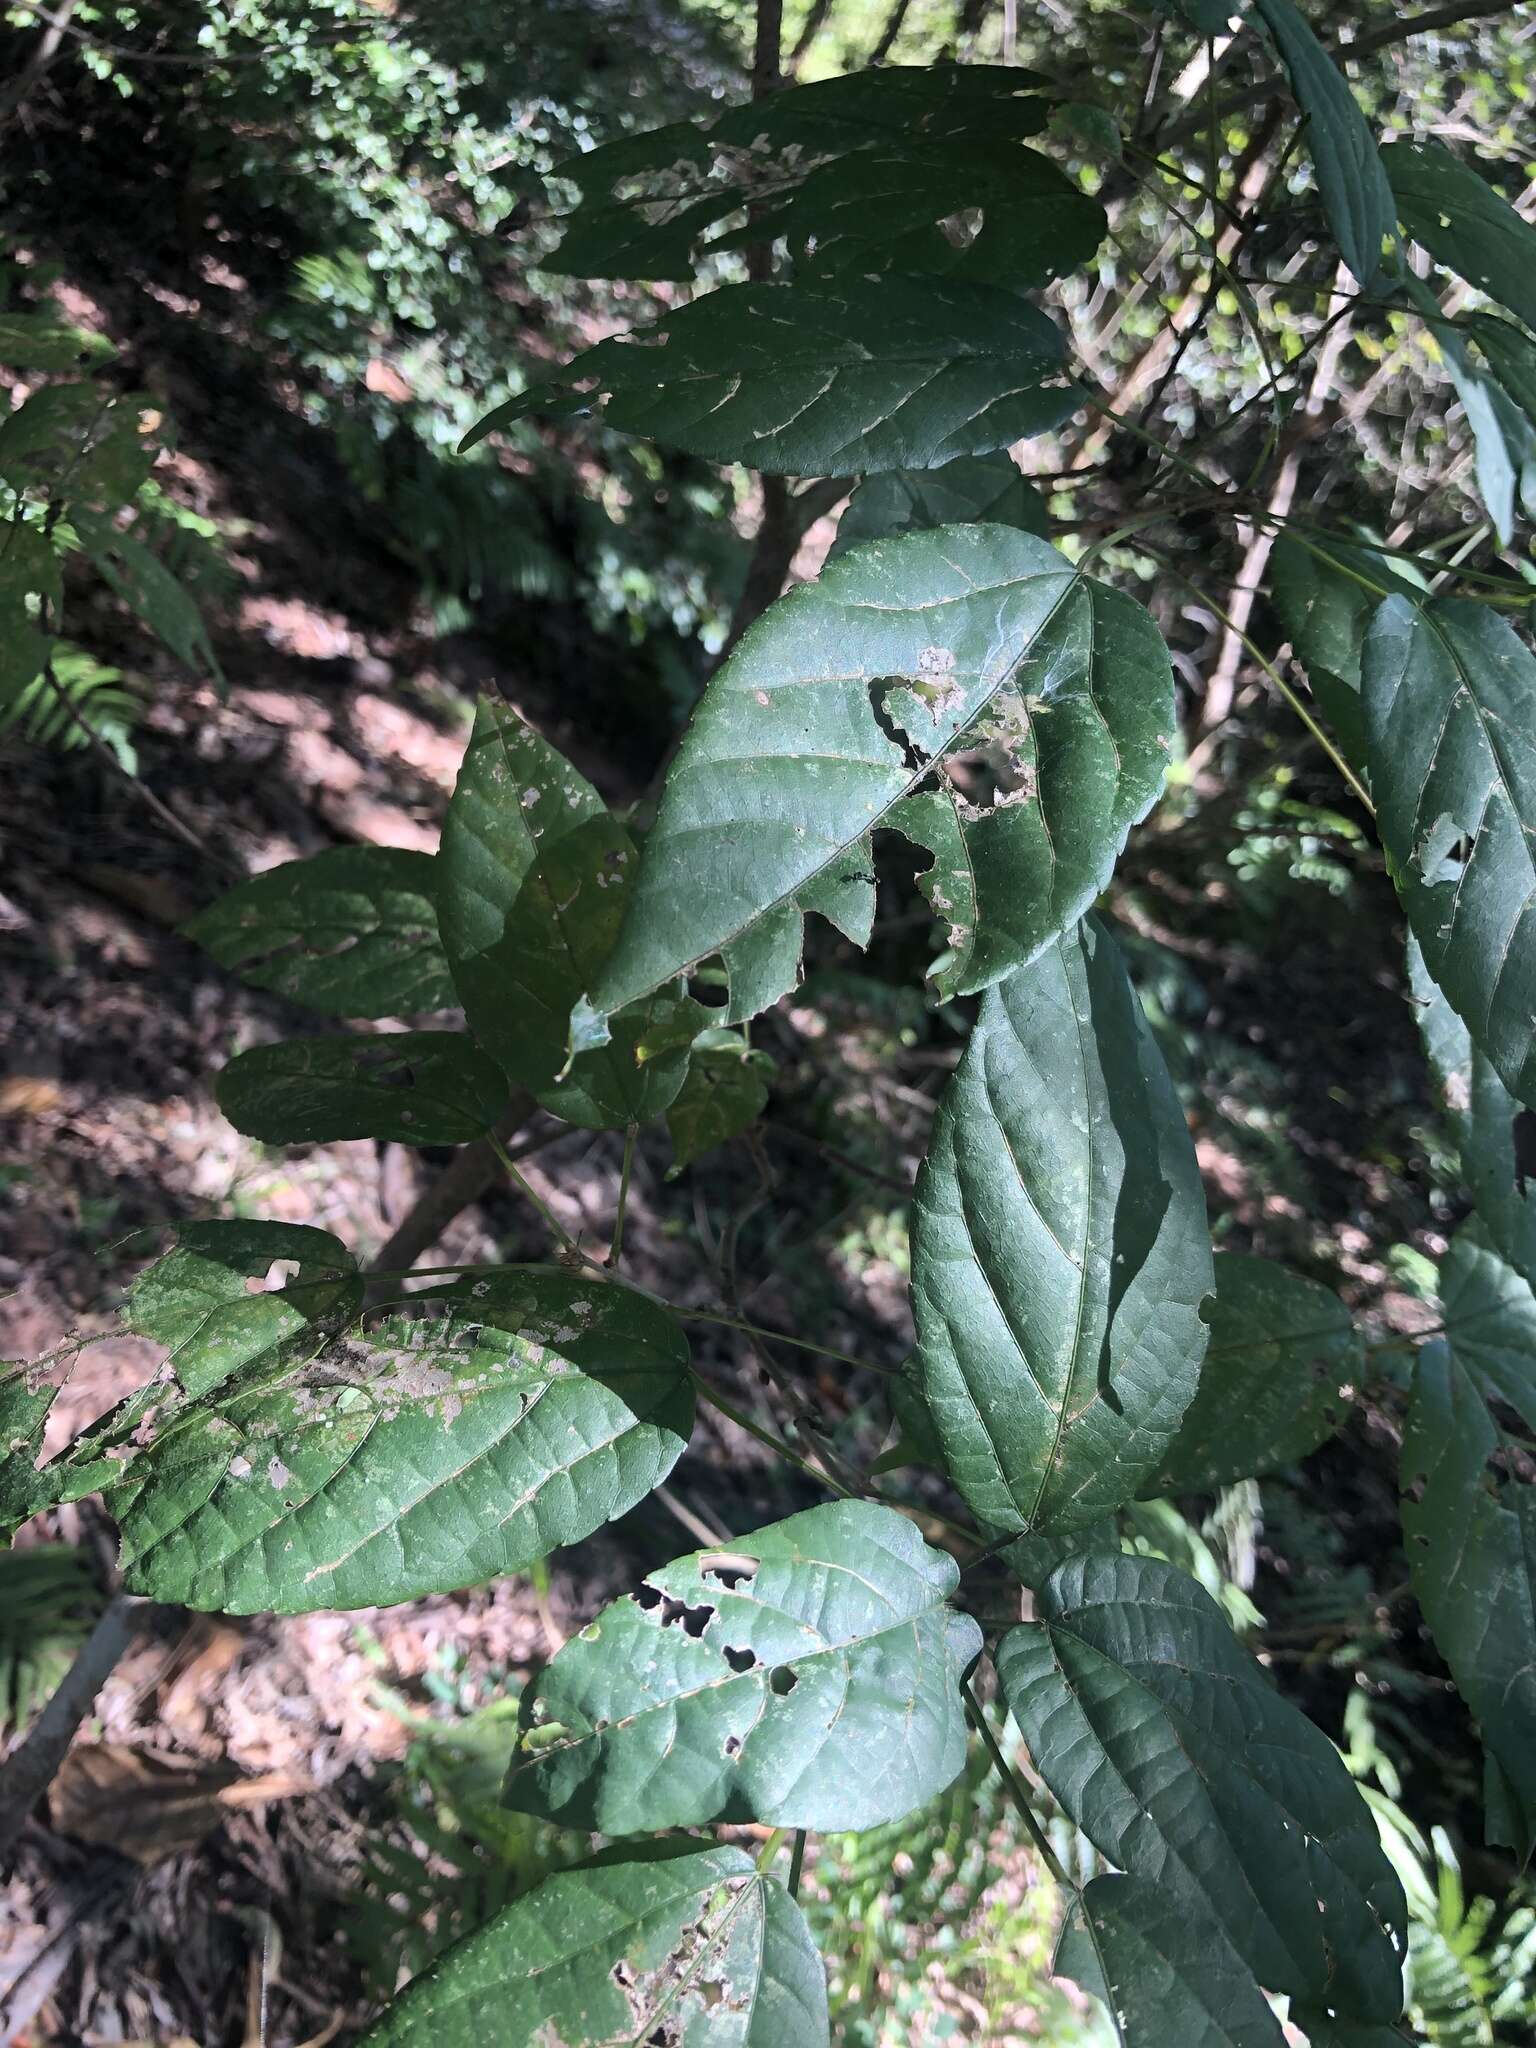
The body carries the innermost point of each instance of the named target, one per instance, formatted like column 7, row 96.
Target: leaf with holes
column 844, row 699
column 1464, row 223
column 807, row 1676
column 1356, row 196
column 1060, row 1252
column 419, row 1457
column 678, row 1944
column 197, row 1300
column 1166, row 1976
column 1168, row 1746
column 351, row 932
column 1326, row 593
column 726, row 1092
column 825, row 378
column 1471, row 1538
column 1279, row 1373
column 977, row 488
column 1494, row 1135
column 415, row 1087
column 1450, row 706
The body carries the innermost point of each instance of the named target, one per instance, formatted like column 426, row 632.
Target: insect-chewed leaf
column 1356, row 196
column 1494, row 1135
column 418, row 1458
column 196, row 1300
column 1464, row 223
column 808, row 1676
column 1060, row 1251
column 1276, row 1381
column 827, row 378
column 1167, row 1976
column 1490, row 1320
column 1470, row 1541
column 842, row 700
column 1325, row 593
column 988, row 488
column 23, row 1414
column 1450, row 706
column 681, row 1944
column 351, row 932
column 1169, row 1747
column 415, row 1087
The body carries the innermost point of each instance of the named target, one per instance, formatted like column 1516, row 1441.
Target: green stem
column 707, row 1315
column 1015, row 1790
column 617, row 1245
column 774, row 1443
column 557, row 1228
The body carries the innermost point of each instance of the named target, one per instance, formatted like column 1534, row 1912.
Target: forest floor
column 253, row 1767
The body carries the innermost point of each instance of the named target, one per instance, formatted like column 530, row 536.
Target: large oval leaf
column 807, row 1677
column 841, row 701
column 1471, row 1538
column 1277, row 1378
column 1060, row 1252
column 1175, row 1755
column 829, row 378
column 416, row 1087
column 425, row 1456
column 1464, row 223
column 1356, row 196
column 1490, row 1321
column 686, row 1944
column 1494, row 1135
column 1166, row 1976
column 351, row 932
column 1450, row 705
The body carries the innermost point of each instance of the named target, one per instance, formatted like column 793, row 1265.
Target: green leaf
column 534, row 876
column 637, row 1075
column 1276, row 1381
column 808, row 736
column 1471, row 1536
column 424, row 1456
column 149, row 590
column 1325, row 593
column 824, row 378
column 36, row 341
column 23, row 1413
column 1504, row 439
column 415, row 1087
column 196, row 1300
column 1166, row 1976
column 975, row 488
column 1490, row 1321
column 351, row 932
column 81, row 439
column 807, row 1676
column 1357, row 199
column 1494, row 1135
column 681, row 1944
column 726, row 1091
column 1171, row 1750
column 1450, row 704
column 1059, row 1248
column 1464, row 223
column 1511, row 354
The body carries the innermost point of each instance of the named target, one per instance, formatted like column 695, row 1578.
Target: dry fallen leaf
column 148, row 1805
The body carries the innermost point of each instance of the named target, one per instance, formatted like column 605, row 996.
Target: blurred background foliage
column 314, row 234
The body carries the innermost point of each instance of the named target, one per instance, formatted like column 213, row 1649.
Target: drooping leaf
column 825, row 378
column 975, row 488
column 421, row 1457
column 415, row 1087
column 808, row 1676
column 1165, row 1742
column 1060, row 1252
column 351, row 932
column 968, row 637
column 1450, row 703
column 1494, row 1135
column 1471, row 1540
column 1464, row 223
column 149, row 590
column 726, row 1091
column 1357, row 199
column 1276, row 1381
column 1490, row 1321
column 196, row 1300
column 1325, row 593
column 1504, row 439
column 680, row 1943
column 1165, row 1976
column 1511, row 354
